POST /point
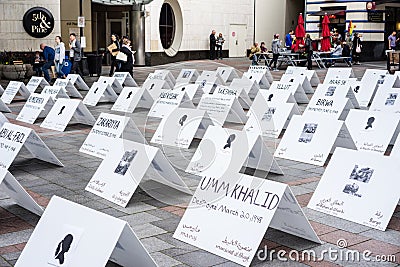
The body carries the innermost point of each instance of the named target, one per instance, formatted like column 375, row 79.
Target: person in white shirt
column 59, row 57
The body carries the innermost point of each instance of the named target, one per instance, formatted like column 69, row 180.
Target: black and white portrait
column 351, row 189
column 308, row 132
column 186, row 74
column 125, row 162
column 391, row 99
column 361, row 174
column 268, row 114
column 330, row 91
column 381, row 79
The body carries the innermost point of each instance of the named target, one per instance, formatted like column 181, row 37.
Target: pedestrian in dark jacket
column 127, row 66
column 356, row 50
column 48, row 56
column 309, row 50
column 113, row 52
column 75, row 51
column 213, row 42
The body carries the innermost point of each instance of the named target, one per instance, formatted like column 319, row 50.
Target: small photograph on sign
column 370, row 121
column 231, row 138
column 391, row 99
column 125, row 162
column 182, row 120
column 186, row 74
column 66, row 246
column 351, row 189
column 330, row 91
column 61, row 111
column 308, row 132
column 268, row 115
column 361, row 174
column 381, row 79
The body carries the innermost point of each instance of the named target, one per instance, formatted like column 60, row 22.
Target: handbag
column 358, row 49
column 122, row 57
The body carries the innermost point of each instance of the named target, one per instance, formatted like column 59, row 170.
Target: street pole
column 81, row 28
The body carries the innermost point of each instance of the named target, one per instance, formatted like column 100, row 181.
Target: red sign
column 233, row 34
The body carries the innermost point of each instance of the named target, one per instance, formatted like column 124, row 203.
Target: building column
column 137, row 33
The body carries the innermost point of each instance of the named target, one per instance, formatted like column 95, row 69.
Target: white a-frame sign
column 181, row 126
column 387, row 100
column 125, row 79
column 37, row 106
column 99, row 92
column 339, row 73
column 69, row 234
column 300, row 79
column 126, row 165
column 240, row 94
column 263, row 70
column 13, row 137
column 209, row 80
column 270, row 118
column 164, row 75
column 63, row 111
column 227, row 73
column 223, row 150
column 3, row 107
column 155, row 86
column 350, row 184
column 36, row 82
column 311, row 138
column 13, row 88
column 249, row 86
column 222, row 108
column 259, row 78
column 55, row 92
column 77, row 81
column 112, row 81
column 335, row 107
column 131, row 98
column 193, row 91
column 369, row 84
column 168, row 101
column 295, row 88
column 15, row 191
column 69, row 87
column 229, row 215
column 107, row 128
column 340, row 91
column 3, row 119
column 187, row 76
column 1, row 90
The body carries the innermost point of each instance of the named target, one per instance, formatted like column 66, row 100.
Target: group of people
column 121, row 57
column 216, row 43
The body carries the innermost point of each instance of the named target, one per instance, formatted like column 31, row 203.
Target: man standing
column 393, row 40
column 309, row 51
column 75, row 54
column 48, row 55
column 289, row 40
column 213, row 42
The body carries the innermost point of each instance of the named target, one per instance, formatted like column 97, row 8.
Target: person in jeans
column 309, row 50
column 219, row 43
column 356, row 50
column 75, row 51
column 114, row 63
column 275, row 47
column 254, row 50
column 48, row 56
column 393, row 40
column 213, row 42
column 59, row 57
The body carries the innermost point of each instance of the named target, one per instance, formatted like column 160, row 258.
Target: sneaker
column 275, row 70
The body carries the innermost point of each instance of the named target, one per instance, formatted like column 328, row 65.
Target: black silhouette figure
column 151, row 87
column 95, row 91
column 231, row 138
column 356, row 89
column 105, row 81
column 183, row 89
column 61, row 110
column 183, row 119
column 222, row 73
column 270, row 97
column 251, row 77
column 291, row 80
column 129, row 95
column 63, row 247
column 369, row 122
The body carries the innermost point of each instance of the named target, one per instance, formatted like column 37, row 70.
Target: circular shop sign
column 38, row 22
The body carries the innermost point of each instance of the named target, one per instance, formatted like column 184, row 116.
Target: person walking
column 59, row 57
column 254, row 50
column 356, row 50
column 48, row 56
column 127, row 66
column 309, row 50
column 289, row 40
column 275, row 47
column 213, row 43
column 113, row 49
column 219, row 43
column 75, row 51
column 393, row 40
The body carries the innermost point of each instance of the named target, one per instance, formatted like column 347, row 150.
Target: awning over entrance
column 328, row 12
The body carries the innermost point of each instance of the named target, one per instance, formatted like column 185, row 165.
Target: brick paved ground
column 155, row 221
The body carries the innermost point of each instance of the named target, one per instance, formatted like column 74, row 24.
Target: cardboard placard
column 295, row 88
column 225, row 150
column 54, row 92
column 270, row 118
column 369, row 84
column 249, row 86
column 222, row 108
column 155, row 86
column 239, row 93
column 193, row 91
column 69, row 88
column 187, row 76
column 339, row 73
column 113, row 82
column 99, row 92
column 300, row 79
column 251, row 205
column 259, row 78
column 227, row 73
column 63, row 111
column 167, row 101
column 335, row 107
column 67, row 233
column 37, row 106
column 13, row 88
column 387, row 100
column 181, row 127
column 124, row 167
column 13, row 137
column 350, row 185
column 340, row 91
column 310, row 139
column 16, row 192
column 78, row 81
column 125, row 79
column 373, row 131
column 107, row 128
column 263, row 70
column 36, row 82
column 131, row 98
